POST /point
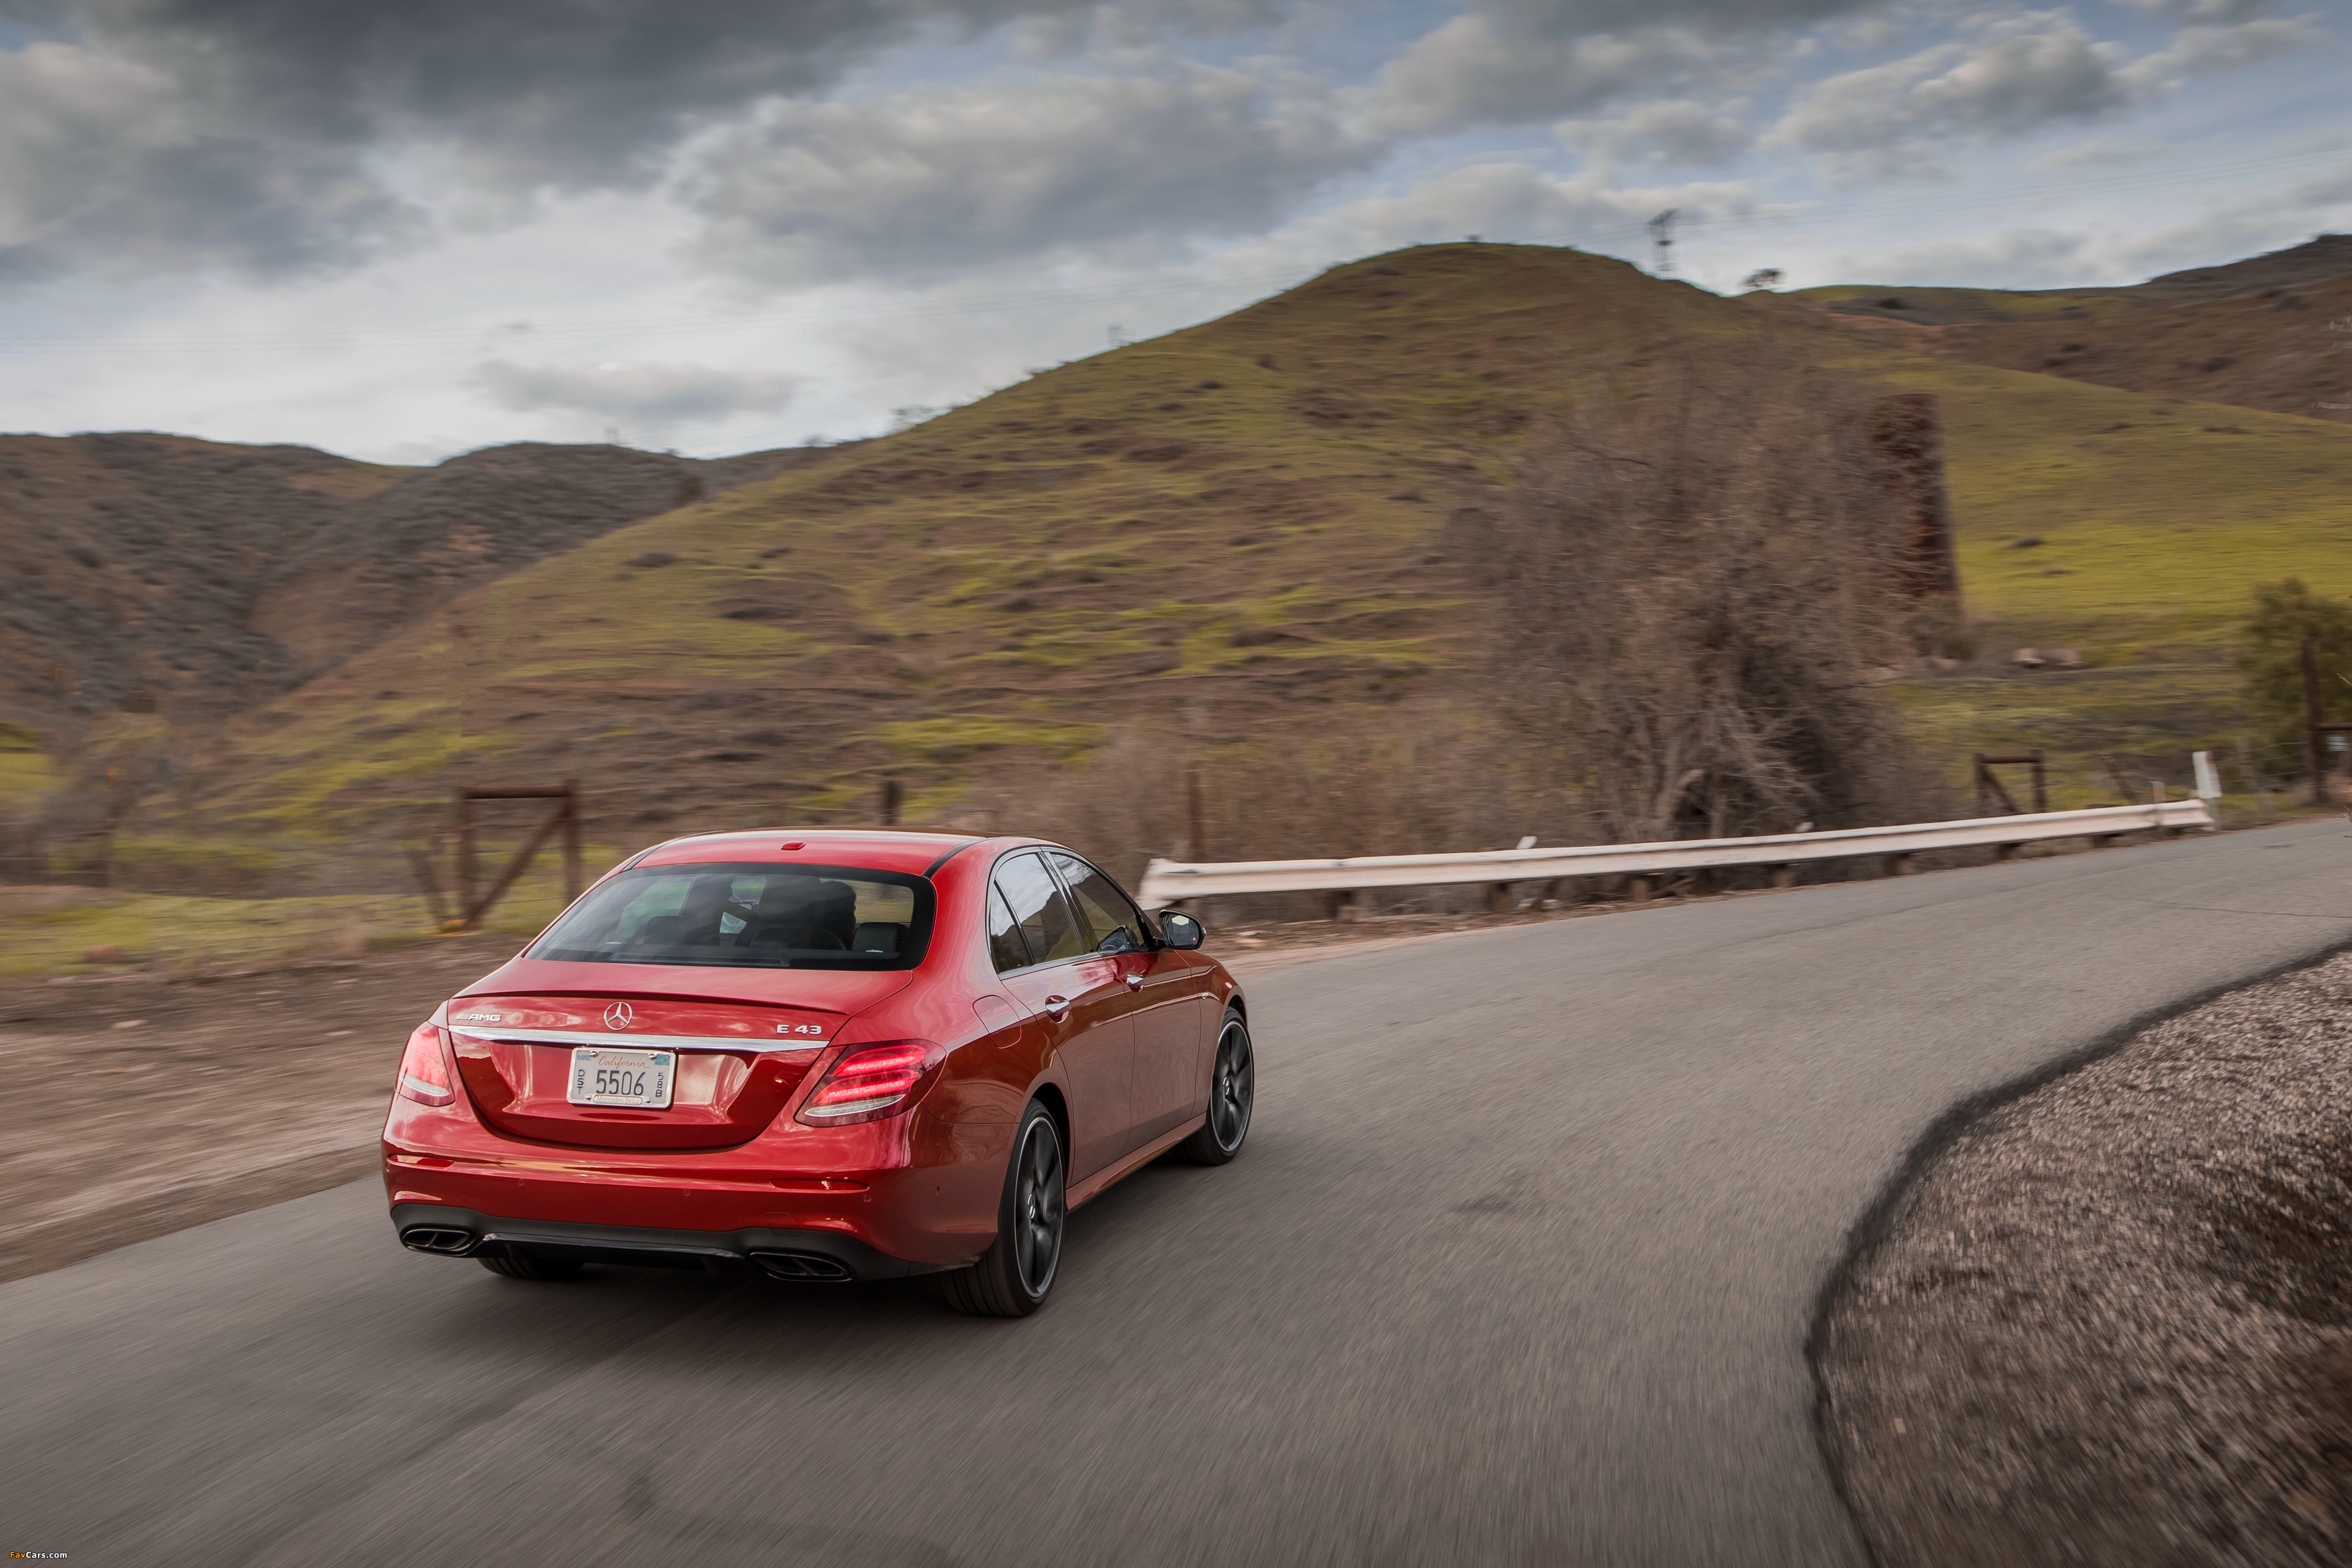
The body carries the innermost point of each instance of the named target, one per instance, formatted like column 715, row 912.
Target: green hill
column 1231, row 539
column 2267, row 332
column 1219, row 532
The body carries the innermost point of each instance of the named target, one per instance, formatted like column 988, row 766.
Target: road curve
column 1517, row 1270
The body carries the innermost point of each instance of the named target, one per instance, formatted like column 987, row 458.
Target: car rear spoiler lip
column 640, row 1041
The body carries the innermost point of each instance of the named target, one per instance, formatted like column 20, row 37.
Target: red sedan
column 828, row 1055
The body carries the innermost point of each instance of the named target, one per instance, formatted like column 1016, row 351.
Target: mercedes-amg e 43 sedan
column 828, row 1055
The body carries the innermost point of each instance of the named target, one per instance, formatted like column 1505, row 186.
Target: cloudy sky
column 404, row 228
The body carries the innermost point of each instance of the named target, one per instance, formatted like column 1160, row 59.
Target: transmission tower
column 1662, row 231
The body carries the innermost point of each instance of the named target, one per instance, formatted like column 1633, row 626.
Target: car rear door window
column 1101, row 905
column 1005, row 945
column 1048, row 928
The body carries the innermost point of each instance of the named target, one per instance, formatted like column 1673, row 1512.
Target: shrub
column 2270, row 662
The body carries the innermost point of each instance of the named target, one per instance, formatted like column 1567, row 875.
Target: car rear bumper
column 822, row 1255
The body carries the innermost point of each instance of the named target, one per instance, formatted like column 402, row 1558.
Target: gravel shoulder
column 2111, row 1322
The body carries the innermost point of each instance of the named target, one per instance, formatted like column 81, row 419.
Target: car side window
column 1005, row 947
column 1038, row 908
column 1101, row 905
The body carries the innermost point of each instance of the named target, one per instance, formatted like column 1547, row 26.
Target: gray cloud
column 648, row 397
column 2198, row 10
column 1673, row 130
column 924, row 186
column 244, row 132
column 2209, row 51
column 1891, row 118
column 1513, row 61
column 2048, row 258
column 1139, row 24
column 1474, row 71
column 99, row 165
column 2258, row 221
column 1577, row 18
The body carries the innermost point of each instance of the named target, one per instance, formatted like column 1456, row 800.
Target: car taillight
column 872, row 1081
column 423, row 1070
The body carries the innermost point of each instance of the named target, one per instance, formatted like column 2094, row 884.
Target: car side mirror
column 1181, row 930
column 1120, row 940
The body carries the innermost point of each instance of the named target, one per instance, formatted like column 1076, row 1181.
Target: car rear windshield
column 748, row 917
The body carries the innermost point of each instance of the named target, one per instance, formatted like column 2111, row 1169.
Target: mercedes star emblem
column 618, row 1016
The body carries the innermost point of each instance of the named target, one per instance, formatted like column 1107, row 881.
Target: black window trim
column 1055, row 876
column 996, row 896
column 1152, row 941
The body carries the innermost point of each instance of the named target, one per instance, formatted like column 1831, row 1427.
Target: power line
column 661, row 326
column 476, row 335
column 1898, row 206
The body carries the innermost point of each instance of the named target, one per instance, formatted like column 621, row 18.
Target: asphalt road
column 1517, row 1270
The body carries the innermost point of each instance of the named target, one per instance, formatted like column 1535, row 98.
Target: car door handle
column 1135, row 979
column 1056, row 1006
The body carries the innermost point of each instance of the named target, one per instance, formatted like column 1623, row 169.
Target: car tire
column 1013, row 1275
column 520, row 1267
column 1232, row 1096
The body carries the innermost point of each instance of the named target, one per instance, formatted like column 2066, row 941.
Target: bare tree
column 1696, row 570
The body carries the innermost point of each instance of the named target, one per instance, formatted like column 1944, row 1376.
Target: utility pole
column 1661, row 230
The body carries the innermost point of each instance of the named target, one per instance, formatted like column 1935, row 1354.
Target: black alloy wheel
column 1012, row 1278
column 1232, row 1094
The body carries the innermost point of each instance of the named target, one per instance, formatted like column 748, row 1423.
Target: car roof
column 877, row 849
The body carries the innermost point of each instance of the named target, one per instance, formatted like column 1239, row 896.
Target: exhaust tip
column 430, row 1239
column 802, row 1266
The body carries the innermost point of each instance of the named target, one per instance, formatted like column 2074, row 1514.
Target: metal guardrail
column 1167, row 883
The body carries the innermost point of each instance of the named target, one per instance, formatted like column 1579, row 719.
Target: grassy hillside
column 2271, row 333
column 2132, row 528
column 1220, row 533
column 1229, row 536
column 159, row 573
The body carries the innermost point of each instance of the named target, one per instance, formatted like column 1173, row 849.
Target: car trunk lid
column 737, row 1062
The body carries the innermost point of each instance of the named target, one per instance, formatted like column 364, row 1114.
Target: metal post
column 429, row 886
column 571, row 842
column 1196, row 844
column 465, row 856
column 2040, row 785
column 892, row 794
column 2311, row 718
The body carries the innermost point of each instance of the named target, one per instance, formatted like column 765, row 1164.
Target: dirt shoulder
column 148, row 1101
column 2111, row 1322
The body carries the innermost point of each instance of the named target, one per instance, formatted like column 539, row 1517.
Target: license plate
column 602, row 1077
